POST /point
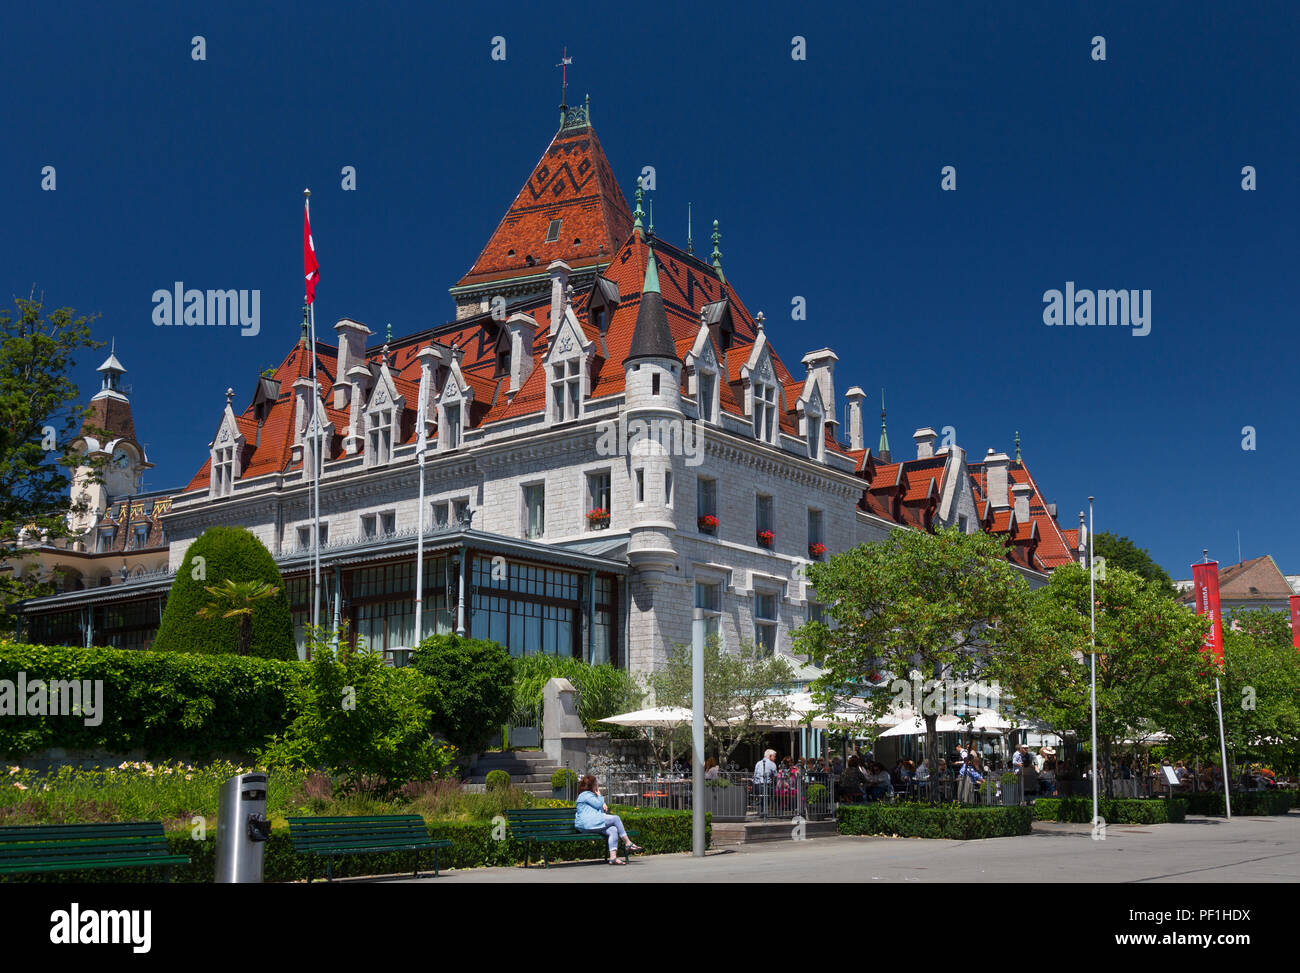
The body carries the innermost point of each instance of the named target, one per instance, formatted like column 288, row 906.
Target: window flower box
column 816, row 551
column 598, row 519
column 765, row 538
column 708, row 524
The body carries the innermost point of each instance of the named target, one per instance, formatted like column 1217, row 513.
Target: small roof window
column 553, row 231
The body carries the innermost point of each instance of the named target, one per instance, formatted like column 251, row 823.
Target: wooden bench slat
column 69, row 847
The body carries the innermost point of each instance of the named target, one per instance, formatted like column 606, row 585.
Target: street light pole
column 1092, row 611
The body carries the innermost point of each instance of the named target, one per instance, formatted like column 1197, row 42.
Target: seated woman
column 852, row 782
column 711, row 769
column 1047, row 779
column 879, row 782
column 592, row 814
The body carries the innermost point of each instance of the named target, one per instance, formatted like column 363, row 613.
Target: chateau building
column 614, row 438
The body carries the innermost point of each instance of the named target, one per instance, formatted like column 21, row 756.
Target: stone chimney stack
column 523, row 332
column 352, row 352
column 857, row 435
column 925, row 442
column 559, row 272
column 1021, row 492
column 995, row 475
column 821, row 366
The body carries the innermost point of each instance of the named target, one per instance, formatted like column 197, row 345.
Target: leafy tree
column 39, row 423
column 1260, row 686
column 220, row 555
column 237, row 599
column 359, row 720
column 741, row 692
column 938, row 605
column 470, row 688
column 1149, row 663
column 1120, row 552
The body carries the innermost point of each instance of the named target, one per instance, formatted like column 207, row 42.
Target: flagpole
column 1092, row 611
column 1223, row 745
column 315, row 452
column 420, row 446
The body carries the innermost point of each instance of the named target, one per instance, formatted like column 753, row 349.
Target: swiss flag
column 311, row 269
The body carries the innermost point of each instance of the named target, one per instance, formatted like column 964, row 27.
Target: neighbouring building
column 1255, row 583
column 615, row 440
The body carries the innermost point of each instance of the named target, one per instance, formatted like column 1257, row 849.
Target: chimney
column 821, row 366
column 857, row 438
column 925, row 442
column 1021, row 492
column 995, row 475
column 352, row 351
column 559, row 272
column 523, row 332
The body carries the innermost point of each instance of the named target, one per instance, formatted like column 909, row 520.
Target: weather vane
column 565, row 61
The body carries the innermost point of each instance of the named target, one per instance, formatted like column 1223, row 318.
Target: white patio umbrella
column 991, row 722
column 655, row 716
column 944, row 724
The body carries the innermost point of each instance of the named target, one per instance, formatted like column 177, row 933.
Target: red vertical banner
column 1295, row 621
column 1205, row 582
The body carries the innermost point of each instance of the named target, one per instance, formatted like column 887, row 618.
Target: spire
column 717, row 254
column 1017, row 445
column 637, row 213
column 884, row 434
column 689, row 247
column 111, row 372
column 651, row 337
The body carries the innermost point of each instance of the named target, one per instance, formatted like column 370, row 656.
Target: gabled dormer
column 602, row 302
column 702, row 373
column 227, row 453
column 811, row 411
column 761, row 390
column 568, row 369
column 383, row 417
column 454, row 402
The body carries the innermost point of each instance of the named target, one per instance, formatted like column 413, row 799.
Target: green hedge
column 168, row 704
column 1244, row 803
column 912, row 820
column 1114, row 810
column 660, row 832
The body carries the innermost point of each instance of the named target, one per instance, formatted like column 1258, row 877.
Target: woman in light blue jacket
column 593, row 815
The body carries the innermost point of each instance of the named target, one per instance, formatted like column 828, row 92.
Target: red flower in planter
column 816, row 549
column 598, row 517
column 707, row 522
column 766, row 537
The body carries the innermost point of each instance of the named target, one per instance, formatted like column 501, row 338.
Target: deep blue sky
column 824, row 175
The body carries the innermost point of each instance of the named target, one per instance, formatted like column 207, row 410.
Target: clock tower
column 107, row 434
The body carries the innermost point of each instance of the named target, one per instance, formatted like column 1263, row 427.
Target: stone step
column 728, row 833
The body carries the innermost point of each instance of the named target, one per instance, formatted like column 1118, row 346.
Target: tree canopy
column 1120, row 552
column 470, row 688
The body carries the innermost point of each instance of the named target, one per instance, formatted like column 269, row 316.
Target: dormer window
column 380, row 442
column 707, row 395
column 764, row 412
column 566, row 390
column 814, row 437
column 452, row 430
column 553, row 231
column 223, row 471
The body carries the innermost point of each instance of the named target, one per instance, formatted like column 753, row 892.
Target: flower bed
column 914, row 820
column 1114, row 810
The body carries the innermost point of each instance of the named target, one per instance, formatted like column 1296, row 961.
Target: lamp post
column 697, row 733
column 1092, row 611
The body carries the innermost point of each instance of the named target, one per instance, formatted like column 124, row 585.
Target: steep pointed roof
column 651, row 338
column 573, row 183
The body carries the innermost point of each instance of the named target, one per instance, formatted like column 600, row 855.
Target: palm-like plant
column 237, row 599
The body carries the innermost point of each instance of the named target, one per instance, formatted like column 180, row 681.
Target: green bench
column 364, row 835
column 70, row 847
column 547, row 825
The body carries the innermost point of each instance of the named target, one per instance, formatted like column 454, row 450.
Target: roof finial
column 303, row 340
column 759, row 318
column 651, row 284
column 1017, row 445
column 565, row 61
column 637, row 213
column 650, row 231
column 388, row 334
column 230, row 394
column 568, row 296
column 884, row 434
column 717, row 254
column 689, row 247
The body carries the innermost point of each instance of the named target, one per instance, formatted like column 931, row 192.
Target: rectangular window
column 706, row 497
column 553, row 231
column 381, row 435
column 304, row 535
column 814, row 437
column 460, row 512
column 367, row 525
column 440, row 514
column 640, row 486
column 453, row 426
column 708, row 597
column 765, row 622
column 598, row 499
column 668, row 489
column 763, row 512
column 534, row 511
column 388, row 523
column 654, row 384
column 706, row 396
column 105, row 540
column 141, row 535
column 961, row 524
column 815, row 532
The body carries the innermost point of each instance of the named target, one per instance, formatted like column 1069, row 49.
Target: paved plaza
column 1201, row 850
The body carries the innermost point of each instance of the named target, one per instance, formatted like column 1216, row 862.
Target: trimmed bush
column 1246, row 803
column 226, row 553
column 496, row 779
column 816, row 793
column 1114, row 810
column 915, row 820
column 471, row 688
column 660, row 832
column 163, row 703
column 563, row 779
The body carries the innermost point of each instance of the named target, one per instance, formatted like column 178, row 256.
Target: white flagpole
column 421, row 444
column 1218, row 706
column 317, row 465
column 1092, row 608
